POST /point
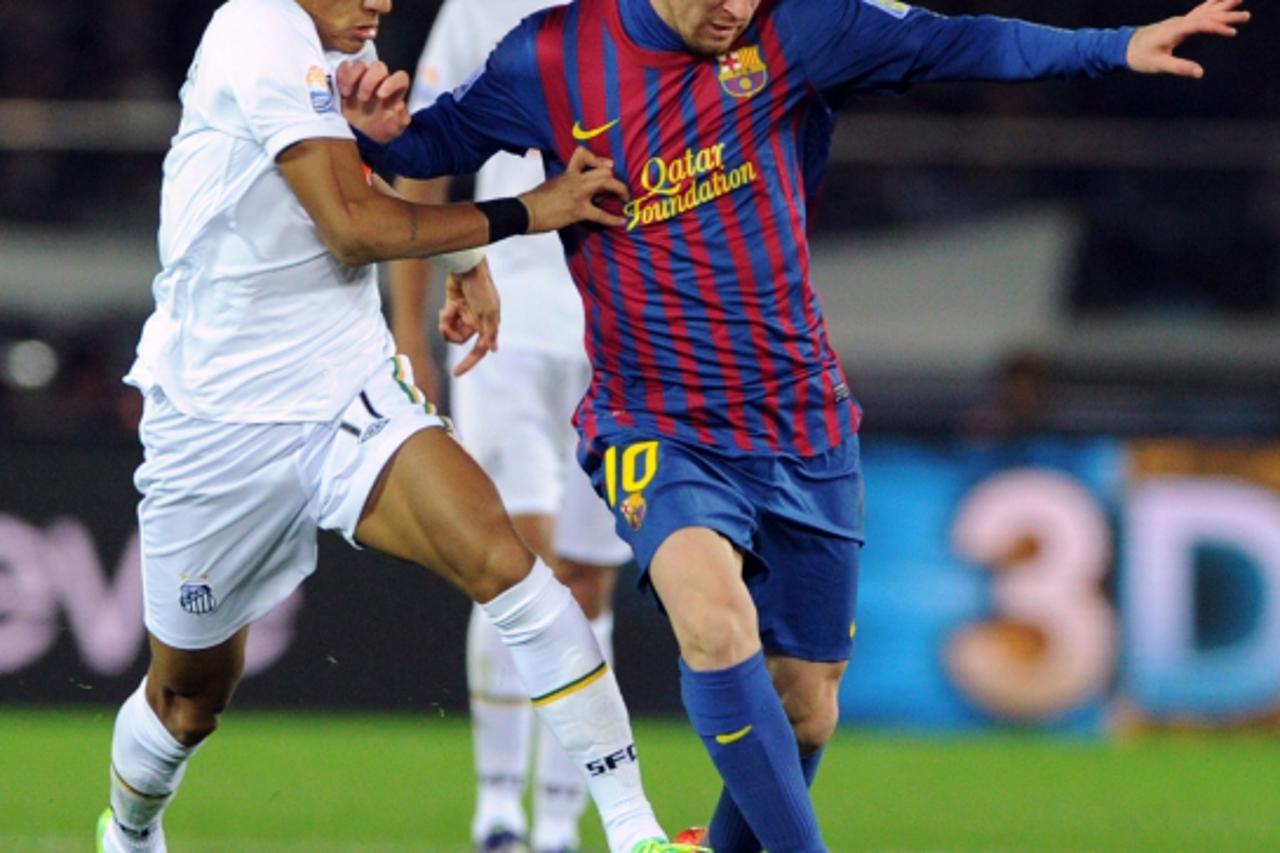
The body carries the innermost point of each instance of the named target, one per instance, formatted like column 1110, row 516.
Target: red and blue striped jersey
column 702, row 321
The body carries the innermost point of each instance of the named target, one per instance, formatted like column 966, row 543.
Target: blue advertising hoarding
column 1073, row 585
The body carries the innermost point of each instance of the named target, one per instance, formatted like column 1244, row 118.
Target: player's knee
column 814, row 711
column 717, row 637
column 815, row 726
column 503, row 564
column 190, row 721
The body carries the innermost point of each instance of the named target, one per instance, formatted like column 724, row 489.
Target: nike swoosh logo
column 583, row 135
column 731, row 737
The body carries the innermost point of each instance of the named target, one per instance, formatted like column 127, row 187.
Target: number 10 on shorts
column 639, row 465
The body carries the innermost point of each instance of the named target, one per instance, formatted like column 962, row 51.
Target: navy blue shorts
column 797, row 521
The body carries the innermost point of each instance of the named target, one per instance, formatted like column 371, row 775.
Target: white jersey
column 255, row 320
column 541, row 308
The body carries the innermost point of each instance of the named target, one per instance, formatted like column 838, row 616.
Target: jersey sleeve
column 502, row 108
column 453, row 53
column 889, row 45
column 279, row 78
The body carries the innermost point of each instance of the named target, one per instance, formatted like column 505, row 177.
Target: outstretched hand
column 574, row 196
column 1151, row 50
column 471, row 309
column 373, row 99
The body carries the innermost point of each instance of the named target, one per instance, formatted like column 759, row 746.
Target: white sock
column 560, row 796
column 577, row 697
column 501, row 727
column 147, row 765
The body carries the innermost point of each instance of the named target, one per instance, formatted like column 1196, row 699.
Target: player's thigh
column 386, row 473
column 684, row 514
column 434, row 506
column 697, row 574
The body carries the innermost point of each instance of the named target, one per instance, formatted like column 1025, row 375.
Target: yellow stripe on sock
column 572, row 687
column 733, row 737
column 132, row 790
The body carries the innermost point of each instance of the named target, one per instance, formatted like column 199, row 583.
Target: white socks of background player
column 501, row 730
column 577, row 697
column 560, row 793
column 147, row 764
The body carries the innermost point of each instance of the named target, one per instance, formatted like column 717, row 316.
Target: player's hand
column 373, row 99
column 1151, row 48
column 471, row 309
column 571, row 197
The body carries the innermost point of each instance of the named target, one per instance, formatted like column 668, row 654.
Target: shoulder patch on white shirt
column 893, row 7
column 320, row 88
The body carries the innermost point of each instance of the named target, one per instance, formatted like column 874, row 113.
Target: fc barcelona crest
column 743, row 72
column 634, row 509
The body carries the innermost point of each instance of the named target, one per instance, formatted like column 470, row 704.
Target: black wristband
column 508, row 217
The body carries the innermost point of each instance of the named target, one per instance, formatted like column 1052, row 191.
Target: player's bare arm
column 360, row 225
column 1151, row 50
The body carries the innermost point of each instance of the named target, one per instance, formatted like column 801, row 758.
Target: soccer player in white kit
column 275, row 405
column 513, row 412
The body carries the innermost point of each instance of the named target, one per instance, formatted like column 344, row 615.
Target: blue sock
column 740, row 719
column 728, row 831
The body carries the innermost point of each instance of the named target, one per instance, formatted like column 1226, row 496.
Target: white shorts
column 513, row 413
column 229, row 511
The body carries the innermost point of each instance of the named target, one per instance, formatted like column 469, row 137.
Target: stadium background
column 1060, row 307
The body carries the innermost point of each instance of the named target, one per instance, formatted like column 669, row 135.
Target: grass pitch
column 279, row 783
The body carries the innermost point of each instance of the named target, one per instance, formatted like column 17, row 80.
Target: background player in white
column 275, row 406
column 513, row 413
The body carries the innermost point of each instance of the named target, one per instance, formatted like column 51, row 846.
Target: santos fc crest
column 743, row 72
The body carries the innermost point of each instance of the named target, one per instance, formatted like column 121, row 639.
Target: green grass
column 393, row 784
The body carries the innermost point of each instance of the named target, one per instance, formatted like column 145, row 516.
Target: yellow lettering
column 677, row 186
column 611, row 475
column 632, row 211
column 633, row 479
column 678, row 170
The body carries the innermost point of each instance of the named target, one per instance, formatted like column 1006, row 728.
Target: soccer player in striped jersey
column 718, row 424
